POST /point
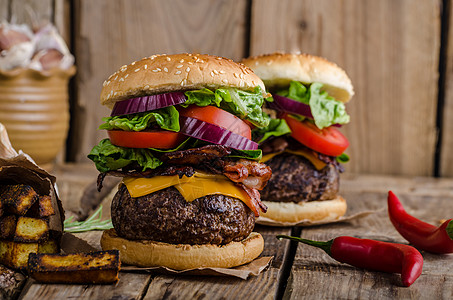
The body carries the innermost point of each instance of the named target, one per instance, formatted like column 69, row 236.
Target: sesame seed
column 147, row 87
column 218, row 58
column 145, row 67
column 188, row 69
column 222, row 72
column 178, row 72
column 183, row 82
column 105, row 83
column 115, row 93
column 181, row 61
column 235, row 75
column 133, row 63
column 136, row 70
column 121, row 79
column 165, row 69
column 126, row 76
column 116, row 77
column 215, row 72
column 224, row 80
column 179, row 66
column 156, row 70
column 212, row 74
column 123, row 68
column 168, row 58
column 242, row 83
column 190, row 63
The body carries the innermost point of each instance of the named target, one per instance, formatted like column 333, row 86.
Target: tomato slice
column 161, row 139
column 219, row 117
column 329, row 141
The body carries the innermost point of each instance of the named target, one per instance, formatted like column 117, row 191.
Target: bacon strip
column 250, row 173
column 255, row 200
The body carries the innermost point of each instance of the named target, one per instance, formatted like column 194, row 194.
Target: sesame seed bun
column 277, row 70
column 165, row 73
column 313, row 211
column 145, row 253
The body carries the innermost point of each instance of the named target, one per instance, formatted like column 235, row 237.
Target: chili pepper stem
column 326, row 246
column 449, row 229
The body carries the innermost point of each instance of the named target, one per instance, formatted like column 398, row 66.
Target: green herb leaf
column 94, row 222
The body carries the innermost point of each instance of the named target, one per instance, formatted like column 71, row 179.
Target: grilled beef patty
column 295, row 179
column 166, row 216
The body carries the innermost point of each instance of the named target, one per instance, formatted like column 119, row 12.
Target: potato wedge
column 100, row 267
column 31, row 230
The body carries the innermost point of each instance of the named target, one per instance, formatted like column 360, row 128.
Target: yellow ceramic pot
column 35, row 111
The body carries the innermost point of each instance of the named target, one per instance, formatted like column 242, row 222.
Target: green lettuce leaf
column 326, row 110
column 246, row 105
column 108, row 157
column 247, row 154
column 166, row 118
column 276, row 127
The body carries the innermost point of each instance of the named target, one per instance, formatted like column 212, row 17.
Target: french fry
column 15, row 254
column 100, row 267
column 7, row 226
column 31, row 230
column 18, row 198
column 41, row 208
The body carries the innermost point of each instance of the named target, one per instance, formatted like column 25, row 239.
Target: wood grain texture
column 128, row 31
column 4, row 10
column 313, row 268
column 263, row 286
column 446, row 153
column 34, row 13
column 130, row 286
column 390, row 50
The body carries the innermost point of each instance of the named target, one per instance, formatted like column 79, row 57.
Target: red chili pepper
column 422, row 235
column 372, row 255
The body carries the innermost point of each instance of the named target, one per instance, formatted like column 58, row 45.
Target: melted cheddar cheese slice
column 191, row 188
column 319, row 164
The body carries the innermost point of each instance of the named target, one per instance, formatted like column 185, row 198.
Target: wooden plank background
column 312, row 267
column 446, row 153
column 389, row 48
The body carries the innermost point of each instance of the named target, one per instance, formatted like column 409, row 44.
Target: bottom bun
column 145, row 253
column 314, row 211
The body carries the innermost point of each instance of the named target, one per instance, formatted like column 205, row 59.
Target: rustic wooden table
column 297, row 271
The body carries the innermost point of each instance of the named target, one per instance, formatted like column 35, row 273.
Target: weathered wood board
column 128, row 31
column 136, row 285
column 446, row 153
column 390, row 50
column 264, row 286
column 313, row 269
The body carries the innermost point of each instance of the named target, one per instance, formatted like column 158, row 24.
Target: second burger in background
column 179, row 136
column 302, row 145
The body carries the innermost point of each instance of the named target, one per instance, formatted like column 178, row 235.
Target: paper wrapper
column 20, row 169
column 306, row 223
column 73, row 244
